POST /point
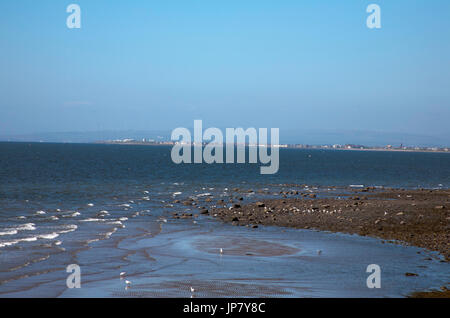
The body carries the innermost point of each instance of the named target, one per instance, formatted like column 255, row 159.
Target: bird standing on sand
column 221, row 251
column 192, row 289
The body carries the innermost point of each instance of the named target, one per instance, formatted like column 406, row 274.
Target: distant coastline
column 285, row 146
column 346, row 147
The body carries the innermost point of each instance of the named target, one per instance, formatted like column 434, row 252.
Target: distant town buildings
column 162, row 142
column 362, row 147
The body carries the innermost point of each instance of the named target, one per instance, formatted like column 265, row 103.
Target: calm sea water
column 108, row 207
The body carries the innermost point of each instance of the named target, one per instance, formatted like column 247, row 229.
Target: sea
column 108, row 209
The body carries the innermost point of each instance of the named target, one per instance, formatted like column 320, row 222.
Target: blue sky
column 299, row 64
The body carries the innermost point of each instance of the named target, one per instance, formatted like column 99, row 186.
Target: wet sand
column 414, row 217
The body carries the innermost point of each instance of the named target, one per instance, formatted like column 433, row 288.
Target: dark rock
column 411, row 274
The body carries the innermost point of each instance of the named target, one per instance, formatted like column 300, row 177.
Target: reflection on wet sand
column 242, row 246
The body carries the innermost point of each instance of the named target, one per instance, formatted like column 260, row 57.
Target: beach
column 415, row 217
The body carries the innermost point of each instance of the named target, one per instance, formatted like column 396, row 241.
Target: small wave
column 92, row 220
column 13, row 242
column 177, row 193
column 41, row 212
column 26, row 227
column 356, row 186
column 8, row 232
column 69, row 228
column 115, row 222
column 50, row 236
column 4, row 244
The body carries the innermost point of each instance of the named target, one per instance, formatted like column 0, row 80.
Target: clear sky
column 297, row 64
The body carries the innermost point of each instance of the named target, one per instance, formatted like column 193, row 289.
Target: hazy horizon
column 296, row 65
column 287, row 136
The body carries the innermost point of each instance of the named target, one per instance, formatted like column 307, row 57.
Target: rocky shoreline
column 416, row 217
